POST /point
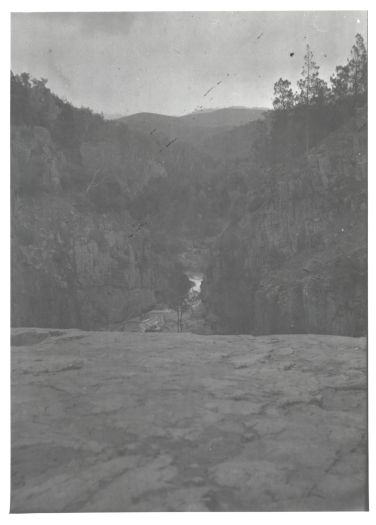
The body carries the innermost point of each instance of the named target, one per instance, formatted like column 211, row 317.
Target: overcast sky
column 125, row 63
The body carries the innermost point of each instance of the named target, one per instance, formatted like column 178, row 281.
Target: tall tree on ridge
column 312, row 87
column 313, row 90
column 357, row 66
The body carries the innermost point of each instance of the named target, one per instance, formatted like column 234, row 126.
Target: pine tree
column 283, row 95
column 351, row 79
column 340, row 82
column 310, row 74
column 321, row 91
column 357, row 66
column 313, row 90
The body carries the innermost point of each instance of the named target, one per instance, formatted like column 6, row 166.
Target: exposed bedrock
column 106, row 421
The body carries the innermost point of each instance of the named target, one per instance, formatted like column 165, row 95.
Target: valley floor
column 110, row 421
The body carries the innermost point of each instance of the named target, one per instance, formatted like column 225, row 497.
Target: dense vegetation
column 293, row 257
column 302, row 118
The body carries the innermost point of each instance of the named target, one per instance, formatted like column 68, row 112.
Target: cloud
column 85, row 23
column 165, row 62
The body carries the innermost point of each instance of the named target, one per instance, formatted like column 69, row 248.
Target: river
column 197, row 279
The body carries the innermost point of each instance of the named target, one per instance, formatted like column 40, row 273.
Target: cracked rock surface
column 107, row 421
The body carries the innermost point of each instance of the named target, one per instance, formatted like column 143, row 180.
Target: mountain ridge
column 193, row 127
column 199, row 110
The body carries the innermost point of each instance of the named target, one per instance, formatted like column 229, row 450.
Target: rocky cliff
column 295, row 258
column 72, row 264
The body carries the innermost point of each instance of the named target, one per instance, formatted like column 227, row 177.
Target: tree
column 283, row 95
column 25, row 79
column 313, row 89
column 310, row 74
column 43, row 104
column 357, row 66
column 322, row 92
column 351, row 79
column 340, row 82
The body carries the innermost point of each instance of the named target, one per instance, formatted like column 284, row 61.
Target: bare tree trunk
column 307, row 103
column 179, row 312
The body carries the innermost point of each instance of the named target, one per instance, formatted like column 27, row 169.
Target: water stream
column 197, row 279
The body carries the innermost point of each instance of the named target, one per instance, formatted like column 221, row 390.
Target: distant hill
column 224, row 117
column 194, row 127
column 151, row 123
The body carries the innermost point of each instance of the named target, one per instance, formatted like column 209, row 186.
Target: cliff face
column 72, row 266
column 296, row 259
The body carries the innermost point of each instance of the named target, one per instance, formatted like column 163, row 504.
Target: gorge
column 110, row 219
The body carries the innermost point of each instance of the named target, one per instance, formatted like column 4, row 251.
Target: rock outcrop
column 72, row 265
column 296, row 258
column 107, row 421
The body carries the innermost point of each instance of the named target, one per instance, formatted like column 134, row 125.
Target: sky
column 125, row 63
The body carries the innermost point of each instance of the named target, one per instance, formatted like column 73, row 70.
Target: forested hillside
column 293, row 257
